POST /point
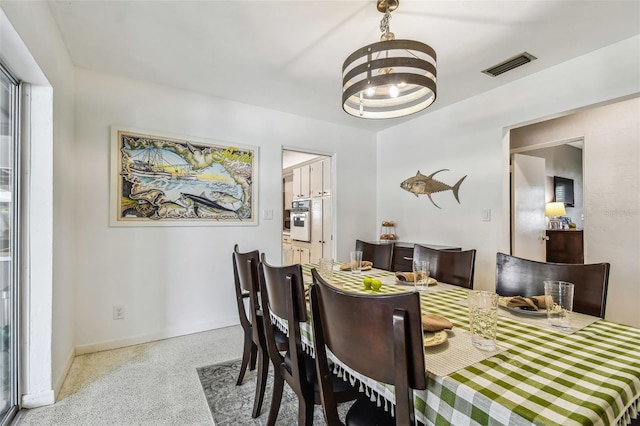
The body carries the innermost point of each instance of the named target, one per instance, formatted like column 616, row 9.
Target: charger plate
column 435, row 338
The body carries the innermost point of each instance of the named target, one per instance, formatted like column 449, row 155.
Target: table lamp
column 553, row 211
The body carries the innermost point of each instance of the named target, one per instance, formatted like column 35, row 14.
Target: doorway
column 546, row 165
column 307, row 228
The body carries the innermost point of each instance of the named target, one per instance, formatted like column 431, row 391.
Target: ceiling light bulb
column 371, row 91
column 394, row 91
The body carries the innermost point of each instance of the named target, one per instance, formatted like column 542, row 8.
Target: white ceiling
column 288, row 55
column 293, row 158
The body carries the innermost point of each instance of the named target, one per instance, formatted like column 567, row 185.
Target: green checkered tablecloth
column 591, row 377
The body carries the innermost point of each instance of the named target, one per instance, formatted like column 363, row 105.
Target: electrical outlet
column 118, row 312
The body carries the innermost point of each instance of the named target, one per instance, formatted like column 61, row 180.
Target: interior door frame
column 331, row 156
column 549, row 144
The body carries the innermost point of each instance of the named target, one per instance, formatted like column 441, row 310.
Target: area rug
column 232, row 405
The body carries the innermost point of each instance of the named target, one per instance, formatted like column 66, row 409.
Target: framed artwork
column 165, row 180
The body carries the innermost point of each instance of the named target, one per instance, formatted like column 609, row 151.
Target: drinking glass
column 420, row 274
column 559, row 300
column 356, row 261
column 326, row 269
column 483, row 319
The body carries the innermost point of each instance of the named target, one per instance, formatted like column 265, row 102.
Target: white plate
column 435, row 338
column 503, row 300
column 539, row 312
column 430, row 282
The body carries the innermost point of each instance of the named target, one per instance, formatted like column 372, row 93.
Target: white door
column 528, row 224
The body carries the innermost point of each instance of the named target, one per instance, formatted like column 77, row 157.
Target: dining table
column 538, row 375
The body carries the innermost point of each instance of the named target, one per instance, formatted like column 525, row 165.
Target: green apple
column 376, row 284
column 367, row 283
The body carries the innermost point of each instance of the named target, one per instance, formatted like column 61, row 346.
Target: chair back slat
column 280, row 295
column 283, row 294
column 522, row 277
column 245, row 270
column 449, row 266
column 381, row 255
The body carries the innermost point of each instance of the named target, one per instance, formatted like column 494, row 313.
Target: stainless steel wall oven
column 301, row 220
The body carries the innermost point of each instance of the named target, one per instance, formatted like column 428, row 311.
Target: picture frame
column 160, row 179
column 563, row 190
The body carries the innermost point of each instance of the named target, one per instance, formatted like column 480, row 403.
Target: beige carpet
column 149, row 384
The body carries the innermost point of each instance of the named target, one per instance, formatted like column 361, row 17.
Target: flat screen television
column 563, row 190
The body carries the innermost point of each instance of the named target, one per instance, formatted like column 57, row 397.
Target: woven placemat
column 578, row 320
column 455, row 354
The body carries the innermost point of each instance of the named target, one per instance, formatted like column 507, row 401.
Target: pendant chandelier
column 391, row 78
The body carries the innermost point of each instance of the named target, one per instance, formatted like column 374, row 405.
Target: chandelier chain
column 384, row 23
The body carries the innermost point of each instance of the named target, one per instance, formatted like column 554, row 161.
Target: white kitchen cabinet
column 326, row 177
column 321, row 230
column 327, row 229
column 288, row 191
column 301, row 182
column 316, row 179
column 316, row 229
column 320, row 178
column 300, row 254
column 287, row 250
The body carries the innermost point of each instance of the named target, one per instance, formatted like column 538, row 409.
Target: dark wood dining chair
column 381, row 255
column 522, row 277
column 379, row 336
column 283, row 295
column 454, row 267
column 247, row 286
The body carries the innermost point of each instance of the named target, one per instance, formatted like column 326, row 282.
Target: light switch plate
column 486, row 215
column 267, row 214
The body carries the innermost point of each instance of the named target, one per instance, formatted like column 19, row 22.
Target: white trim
column 38, row 399
column 549, row 144
column 57, row 386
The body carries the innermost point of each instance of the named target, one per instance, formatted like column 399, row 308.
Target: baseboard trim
column 57, row 384
column 36, row 400
column 151, row 337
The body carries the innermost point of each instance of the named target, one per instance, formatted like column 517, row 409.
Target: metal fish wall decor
column 427, row 185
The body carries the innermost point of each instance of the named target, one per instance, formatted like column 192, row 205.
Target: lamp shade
column 554, row 209
column 391, row 78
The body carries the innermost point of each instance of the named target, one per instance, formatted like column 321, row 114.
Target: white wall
column 469, row 139
column 612, row 193
column 178, row 280
column 48, row 339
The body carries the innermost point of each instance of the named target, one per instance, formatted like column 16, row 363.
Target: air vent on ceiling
column 509, row 64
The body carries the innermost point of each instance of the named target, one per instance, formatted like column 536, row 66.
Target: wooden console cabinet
column 564, row 246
